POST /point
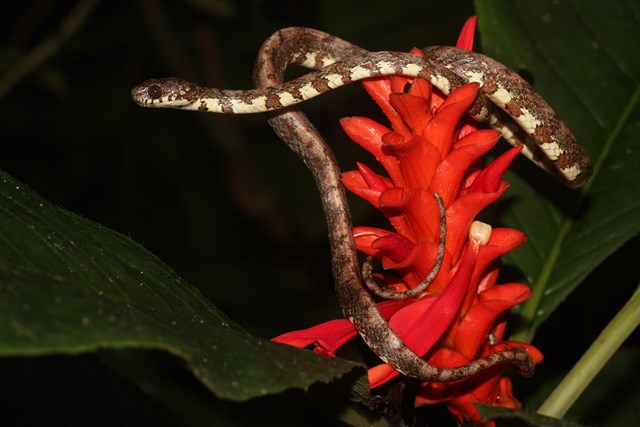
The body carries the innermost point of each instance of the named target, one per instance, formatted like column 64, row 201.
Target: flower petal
column 379, row 90
column 355, row 182
column 365, row 236
column 465, row 39
column 329, row 336
column 420, row 87
column 447, row 181
column 393, row 246
column 414, row 110
column 373, row 180
column 419, row 209
column 418, row 159
column 421, row 324
column 368, row 134
column 479, row 321
column 490, row 178
column 416, row 266
column 443, row 126
column 380, row 374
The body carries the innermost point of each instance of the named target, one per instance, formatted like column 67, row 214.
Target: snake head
column 169, row 92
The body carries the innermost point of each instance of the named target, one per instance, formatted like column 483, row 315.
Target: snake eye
column 155, row 92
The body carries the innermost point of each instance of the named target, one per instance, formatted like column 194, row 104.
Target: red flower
column 432, row 147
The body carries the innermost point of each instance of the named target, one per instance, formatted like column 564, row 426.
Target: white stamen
column 480, row 232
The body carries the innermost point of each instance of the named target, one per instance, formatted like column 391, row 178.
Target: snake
column 507, row 103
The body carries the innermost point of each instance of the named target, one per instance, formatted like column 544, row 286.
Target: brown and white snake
column 522, row 115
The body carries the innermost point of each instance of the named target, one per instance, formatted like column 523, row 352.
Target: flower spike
column 442, row 319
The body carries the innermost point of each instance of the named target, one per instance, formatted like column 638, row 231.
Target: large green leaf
column 69, row 286
column 581, row 57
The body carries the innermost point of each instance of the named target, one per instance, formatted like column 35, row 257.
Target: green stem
column 524, row 329
column 592, row 361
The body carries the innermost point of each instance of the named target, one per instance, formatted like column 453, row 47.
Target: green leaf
column 70, row 286
column 580, row 57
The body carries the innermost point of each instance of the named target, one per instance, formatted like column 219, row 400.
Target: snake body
column 339, row 63
column 522, row 115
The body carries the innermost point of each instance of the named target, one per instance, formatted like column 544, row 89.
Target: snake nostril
column 154, row 92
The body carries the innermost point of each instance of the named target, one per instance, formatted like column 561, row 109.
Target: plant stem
column 592, row 361
column 524, row 330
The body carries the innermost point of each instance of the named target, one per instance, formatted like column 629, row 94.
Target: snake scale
column 522, row 115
